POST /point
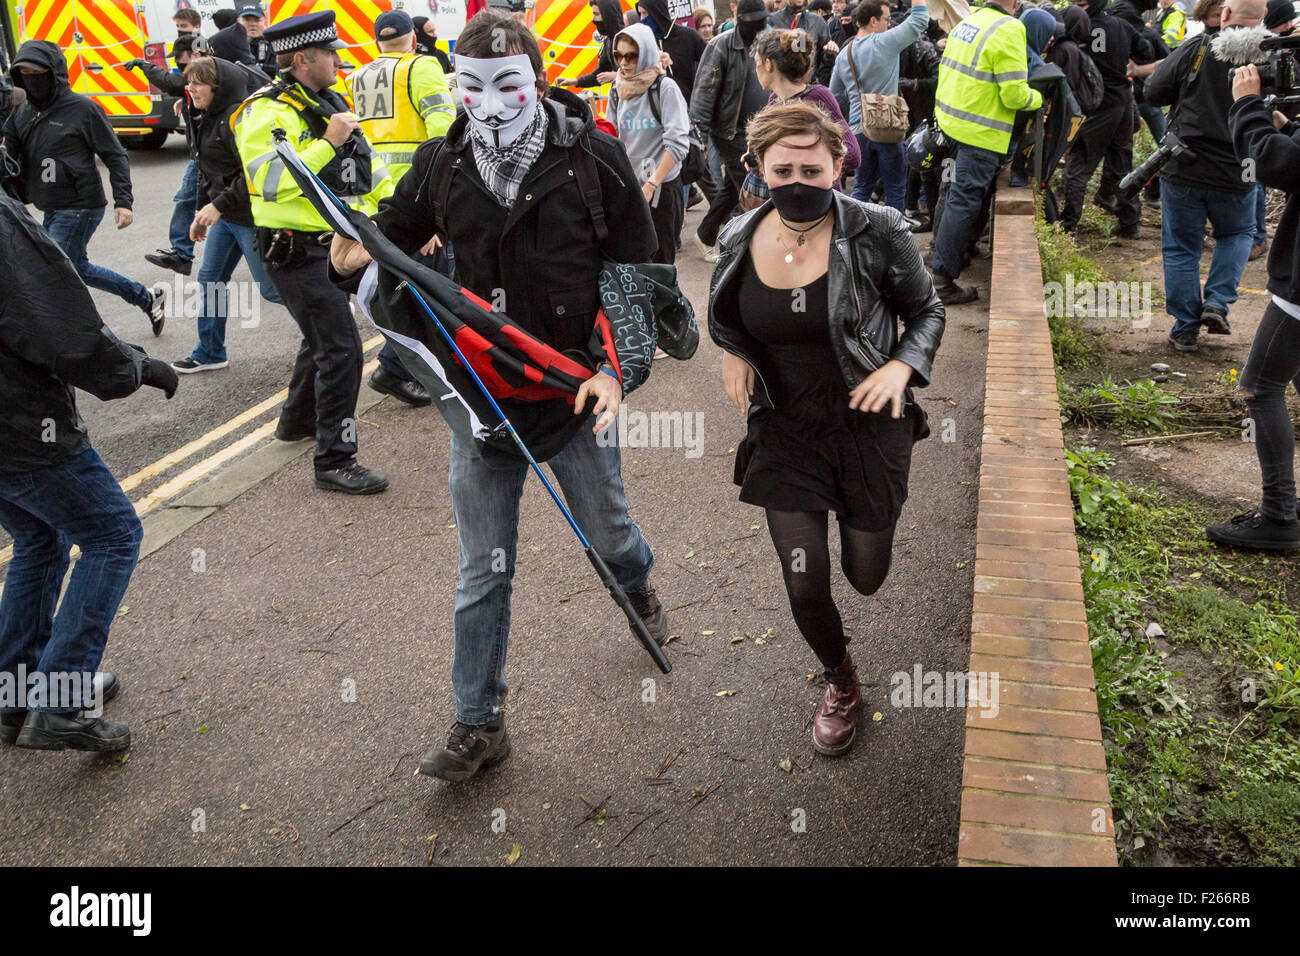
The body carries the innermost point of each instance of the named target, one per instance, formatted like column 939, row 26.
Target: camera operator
column 1273, row 143
column 1206, row 181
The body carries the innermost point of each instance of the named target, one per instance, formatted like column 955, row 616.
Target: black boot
column 651, row 612
column 352, row 479
column 1256, row 532
column 44, row 731
column 410, row 392
column 950, row 293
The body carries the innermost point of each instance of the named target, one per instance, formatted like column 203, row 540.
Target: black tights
column 800, row 540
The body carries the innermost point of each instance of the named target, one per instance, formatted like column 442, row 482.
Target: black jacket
column 683, row 44
column 1199, row 116
column 1119, row 42
column 70, row 132
column 1131, row 13
column 221, row 174
column 1277, row 165
column 542, row 254
column 876, row 278
column 611, row 22
column 1073, row 36
column 51, row 340
column 720, row 86
column 428, row 45
column 918, row 78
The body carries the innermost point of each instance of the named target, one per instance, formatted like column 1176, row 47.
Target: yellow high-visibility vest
column 402, row 99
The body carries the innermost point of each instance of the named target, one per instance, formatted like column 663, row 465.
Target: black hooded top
column 682, row 43
column 425, row 44
column 64, row 138
column 611, row 21
column 221, row 173
column 1121, row 44
column 1073, row 35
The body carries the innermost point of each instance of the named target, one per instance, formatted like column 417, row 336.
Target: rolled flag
column 535, row 384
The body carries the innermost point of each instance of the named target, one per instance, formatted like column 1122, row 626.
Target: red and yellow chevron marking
column 354, row 19
column 111, row 32
column 567, row 37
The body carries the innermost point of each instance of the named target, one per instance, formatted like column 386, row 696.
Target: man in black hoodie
column 55, row 491
column 58, row 133
column 1108, row 132
column 682, row 44
column 607, row 15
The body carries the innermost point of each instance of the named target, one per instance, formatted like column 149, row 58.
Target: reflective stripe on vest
column 381, row 97
column 974, row 118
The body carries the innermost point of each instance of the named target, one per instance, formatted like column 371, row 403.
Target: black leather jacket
column 719, row 93
column 876, row 278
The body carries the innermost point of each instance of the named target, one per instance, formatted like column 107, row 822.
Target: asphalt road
column 281, row 694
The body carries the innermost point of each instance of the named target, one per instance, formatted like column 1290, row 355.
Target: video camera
column 1170, row 147
column 1277, row 75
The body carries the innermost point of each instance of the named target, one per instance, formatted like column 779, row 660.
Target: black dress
column 811, row 451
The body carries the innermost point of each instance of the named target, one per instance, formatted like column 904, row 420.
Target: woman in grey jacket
column 649, row 111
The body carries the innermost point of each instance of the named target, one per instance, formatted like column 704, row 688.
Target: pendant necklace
column 789, row 253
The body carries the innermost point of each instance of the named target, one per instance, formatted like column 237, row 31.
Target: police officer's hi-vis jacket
column 984, row 80
column 402, row 99
column 277, row 201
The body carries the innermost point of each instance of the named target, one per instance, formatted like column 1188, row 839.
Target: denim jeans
column 883, row 161
column 1155, row 119
column 485, row 500
column 1274, row 364
column 963, row 200
column 72, row 229
column 184, row 204
column 46, row 512
column 226, row 242
column 1182, row 234
column 1261, row 222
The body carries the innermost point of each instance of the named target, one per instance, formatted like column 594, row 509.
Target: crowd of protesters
column 826, row 120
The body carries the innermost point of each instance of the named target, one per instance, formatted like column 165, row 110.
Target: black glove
column 158, row 374
column 134, row 64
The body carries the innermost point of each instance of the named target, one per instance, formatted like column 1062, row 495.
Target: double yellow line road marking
column 201, row 469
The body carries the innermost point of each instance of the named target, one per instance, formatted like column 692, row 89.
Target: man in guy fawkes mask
column 506, row 188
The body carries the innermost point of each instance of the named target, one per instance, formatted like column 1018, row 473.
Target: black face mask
column 800, row 202
column 748, row 29
column 40, row 88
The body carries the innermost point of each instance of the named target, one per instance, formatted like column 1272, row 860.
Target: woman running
column 804, row 300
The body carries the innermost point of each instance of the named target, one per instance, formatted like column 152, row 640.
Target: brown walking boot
column 837, row 718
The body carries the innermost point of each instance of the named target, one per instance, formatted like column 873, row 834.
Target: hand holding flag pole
column 339, row 216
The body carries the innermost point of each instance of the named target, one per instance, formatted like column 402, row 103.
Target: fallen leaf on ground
column 725, row 693
column 787, row 765
column 877, row 716
column 513, row 858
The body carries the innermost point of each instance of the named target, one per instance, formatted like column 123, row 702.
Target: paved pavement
column 286, row 664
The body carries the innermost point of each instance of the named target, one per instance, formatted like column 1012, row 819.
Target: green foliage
column 1266, row 816
column 1060, row 257
column 1142, row 405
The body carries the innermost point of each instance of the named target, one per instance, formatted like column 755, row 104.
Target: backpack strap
column 593, row 196
column 656, row 100
column 440, row 173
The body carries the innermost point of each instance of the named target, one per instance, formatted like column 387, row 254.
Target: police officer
column 983, row 82
column 294, row 239
column 402, row 99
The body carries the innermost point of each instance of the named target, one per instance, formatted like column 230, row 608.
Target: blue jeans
column 1261, row 222
column 1182, row 234
column 226, row 242
column 1155, row 119
column 962, row 203
column 884, row 161
column 485, row 500
column 184, row 204
column 72, row 229
column 46, row 512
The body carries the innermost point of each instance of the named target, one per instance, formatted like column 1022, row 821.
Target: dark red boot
column 837, row 718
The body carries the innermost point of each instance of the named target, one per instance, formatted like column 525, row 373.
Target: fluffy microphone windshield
column 1240, row 45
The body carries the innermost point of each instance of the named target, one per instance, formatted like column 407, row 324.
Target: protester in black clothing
column 842, row 27
column 426, row 37
column 918, row 77
column 55, row 491
column 608, row 17
column 223, row 18
column 727, row 94
column 57, row 134
column 1073, row 35
column 1108, row 132
column 1273, row 144
column 684, row 46
column 795, row 15
column 830, row 421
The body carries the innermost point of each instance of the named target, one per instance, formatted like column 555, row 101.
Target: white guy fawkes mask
column 500, row 95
